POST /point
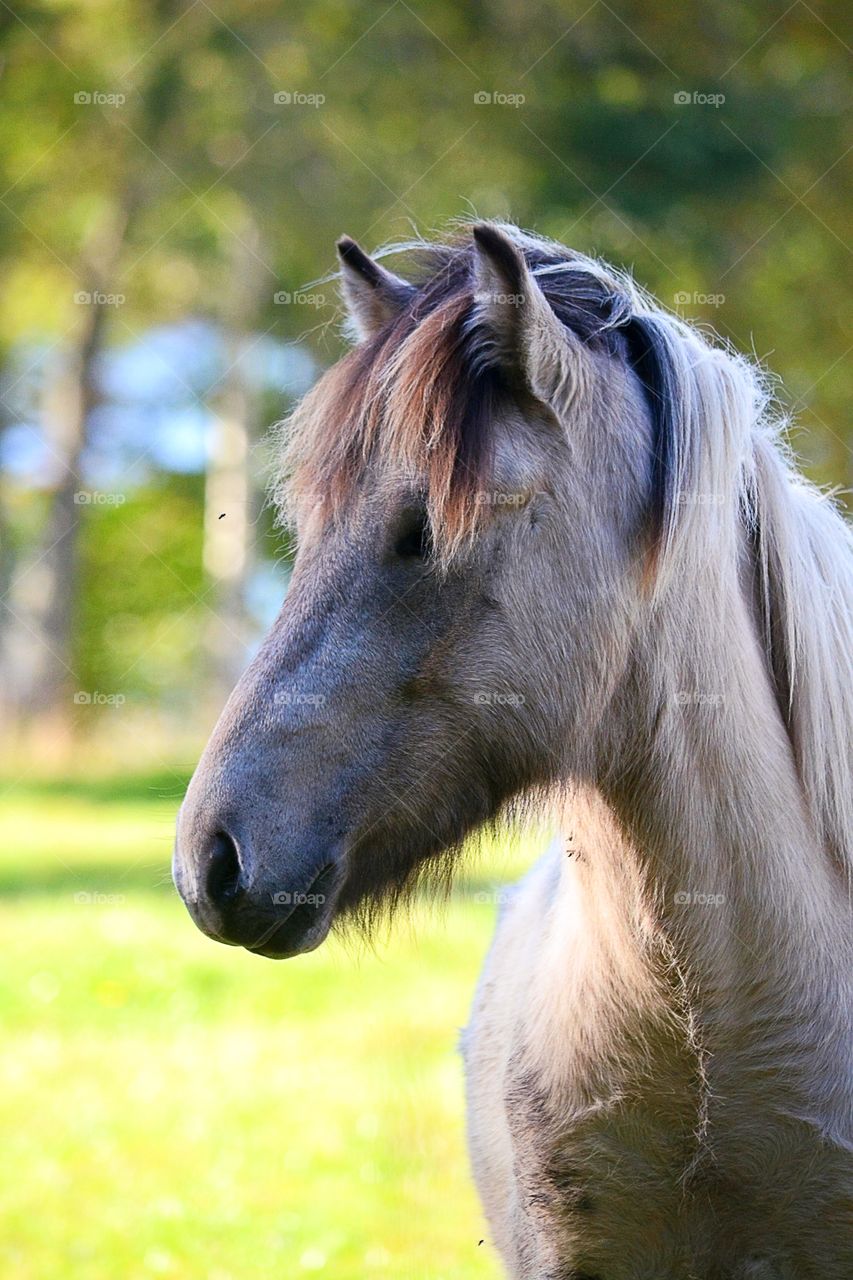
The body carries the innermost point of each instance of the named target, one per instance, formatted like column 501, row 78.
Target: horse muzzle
column 235, row 898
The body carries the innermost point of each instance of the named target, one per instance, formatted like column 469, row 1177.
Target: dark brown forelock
column 416, row 400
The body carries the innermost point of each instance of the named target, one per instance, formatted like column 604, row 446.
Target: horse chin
column 291, row 938
column 303, row 924
column 302, row 929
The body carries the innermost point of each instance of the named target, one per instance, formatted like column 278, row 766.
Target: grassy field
column 173, row 1108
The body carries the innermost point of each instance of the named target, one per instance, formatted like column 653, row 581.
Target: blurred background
column 173, row 177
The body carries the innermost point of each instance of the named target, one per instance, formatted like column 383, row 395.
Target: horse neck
column 700, row 782
column 692, row 931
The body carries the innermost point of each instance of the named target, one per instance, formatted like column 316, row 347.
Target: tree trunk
column 38, row 657
column 229, row 491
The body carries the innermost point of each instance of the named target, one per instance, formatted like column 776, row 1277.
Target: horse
column 554, row 555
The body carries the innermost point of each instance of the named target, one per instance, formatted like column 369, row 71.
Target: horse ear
column 527, row 335
column 373, row 295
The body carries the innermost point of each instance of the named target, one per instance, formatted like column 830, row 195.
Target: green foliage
column 141, row 602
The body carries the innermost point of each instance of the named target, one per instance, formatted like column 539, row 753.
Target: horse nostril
column 224, row 873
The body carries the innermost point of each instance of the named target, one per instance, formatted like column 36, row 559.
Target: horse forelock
column 419, row 399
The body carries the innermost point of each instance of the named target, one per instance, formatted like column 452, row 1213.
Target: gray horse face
column 403, row 696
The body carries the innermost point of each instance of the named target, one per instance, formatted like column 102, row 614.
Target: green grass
column 171, row 1108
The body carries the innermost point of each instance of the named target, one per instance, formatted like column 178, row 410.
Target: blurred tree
column 703, row 147
column 230, row 490
column 141, row 566
column 44, row 682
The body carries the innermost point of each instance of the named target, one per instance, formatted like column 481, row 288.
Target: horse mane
column 419, row 397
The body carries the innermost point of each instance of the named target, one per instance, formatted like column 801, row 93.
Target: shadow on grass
column 60, row 879
column 163, row 785
column 62, row 882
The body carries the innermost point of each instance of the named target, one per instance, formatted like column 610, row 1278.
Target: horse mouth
column 276, row 925
column 301, row 924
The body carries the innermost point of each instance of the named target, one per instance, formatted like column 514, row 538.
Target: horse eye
column 414, row 542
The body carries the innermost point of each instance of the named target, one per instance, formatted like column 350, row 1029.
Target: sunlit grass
column 173, row 1108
